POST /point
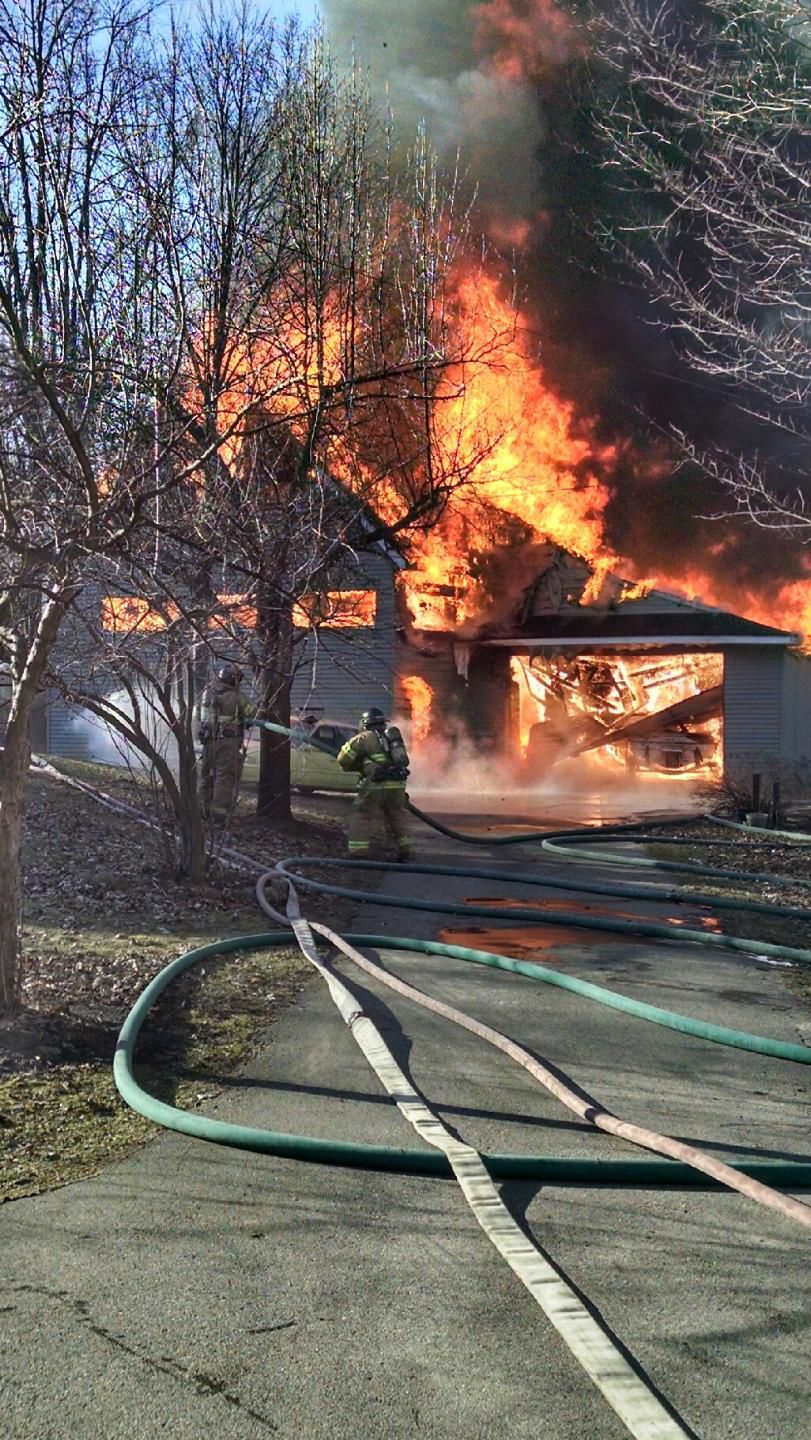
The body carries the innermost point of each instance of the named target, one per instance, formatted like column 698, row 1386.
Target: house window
column 122, row 614
column 336, row 609
column 236, row 612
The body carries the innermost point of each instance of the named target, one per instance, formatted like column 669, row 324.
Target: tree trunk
column 15, row 759
column 188, row 831
column 276, row 635
column 14, row 762
column 192, row 858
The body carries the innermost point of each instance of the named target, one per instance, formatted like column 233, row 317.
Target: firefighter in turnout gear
column 380, row 757
column 224, row 713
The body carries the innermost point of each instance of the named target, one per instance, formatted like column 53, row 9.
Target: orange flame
column 235, row 611
column 534, row 472
column 126, row 614
column 276, row 373
column 420, row 698
column 528, row 463
column 335, row 609
column 520, row 40
column 570, row 703
column 786, row 607
column 532, row 465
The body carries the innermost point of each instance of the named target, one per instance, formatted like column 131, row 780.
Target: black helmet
column 228, row 674
column 373, row 719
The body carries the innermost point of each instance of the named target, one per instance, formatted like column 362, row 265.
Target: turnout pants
column 373, row 808
column 220, row 770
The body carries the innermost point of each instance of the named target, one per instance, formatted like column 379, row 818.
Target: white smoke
column 106, row 745
column 436, row 64
column 457, row 778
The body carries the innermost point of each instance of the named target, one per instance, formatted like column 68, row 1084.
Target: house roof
column 591, row 626
column 366, row 520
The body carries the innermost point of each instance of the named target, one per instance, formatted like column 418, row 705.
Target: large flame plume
column 478, row 73
column 541, row 477
column 535, row 475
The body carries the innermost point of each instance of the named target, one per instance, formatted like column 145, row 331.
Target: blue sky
column 307, row 9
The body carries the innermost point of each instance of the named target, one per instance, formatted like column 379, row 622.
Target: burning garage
column 639, row 679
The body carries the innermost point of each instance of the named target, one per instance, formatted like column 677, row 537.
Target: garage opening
column 648, row 712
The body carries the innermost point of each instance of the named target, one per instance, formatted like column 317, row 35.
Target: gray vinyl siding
column 66, row 736
column 477, row 704
column 72, row 731
column 39, row 720
column 437, row 668
column 342, row 672
column 753, row 712
column 796, row 709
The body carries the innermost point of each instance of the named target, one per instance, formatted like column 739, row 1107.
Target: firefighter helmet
column 229, row 674
column 373, row 719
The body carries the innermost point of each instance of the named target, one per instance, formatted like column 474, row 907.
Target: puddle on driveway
column 525, row 942
column 698, row 922
column 529, row 942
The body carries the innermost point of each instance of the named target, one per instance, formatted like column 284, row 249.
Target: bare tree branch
column 705, row 120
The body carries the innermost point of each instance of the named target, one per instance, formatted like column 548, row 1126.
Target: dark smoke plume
column 497, row 82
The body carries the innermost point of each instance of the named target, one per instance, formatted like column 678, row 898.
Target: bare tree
column 117, row 309
column 206, row 160
column 225, row 339
column 704, row 117
column 132, row 653
column 278, row 379
column 78, row 360
column 351, row 360
column 139, row 207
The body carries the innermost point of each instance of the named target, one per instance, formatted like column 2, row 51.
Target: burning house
column 539, row 669
column 507, row 628
column 504, row 636
column 578, row 663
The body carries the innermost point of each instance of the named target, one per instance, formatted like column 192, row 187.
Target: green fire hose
column 558, row 1170
column 789, row 1175
column 634, row 1399
column 648, row 929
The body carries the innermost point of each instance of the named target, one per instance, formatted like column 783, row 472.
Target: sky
column 307, row 9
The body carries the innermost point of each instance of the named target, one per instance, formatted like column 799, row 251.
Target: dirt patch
column 765, row 856
column 102, row 916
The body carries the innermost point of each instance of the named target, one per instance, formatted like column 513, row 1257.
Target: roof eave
column 652, row 642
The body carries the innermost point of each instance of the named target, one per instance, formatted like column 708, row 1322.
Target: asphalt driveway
column 194, row 1291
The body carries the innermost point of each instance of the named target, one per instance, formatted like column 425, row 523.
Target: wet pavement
column 192, row 1291
column 530, row 941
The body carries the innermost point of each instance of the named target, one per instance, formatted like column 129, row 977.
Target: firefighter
column 224, row 712
column 380, row 757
